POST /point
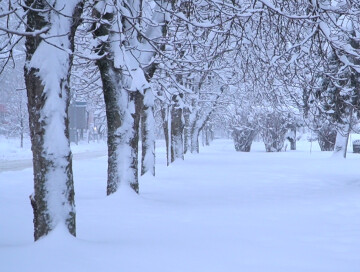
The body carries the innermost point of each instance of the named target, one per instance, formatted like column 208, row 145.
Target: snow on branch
column 25, row 33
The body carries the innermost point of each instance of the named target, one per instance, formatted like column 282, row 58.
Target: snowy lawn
column 216, row 211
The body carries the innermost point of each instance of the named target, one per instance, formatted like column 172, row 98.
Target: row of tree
column 300, row 65
column 188, row 62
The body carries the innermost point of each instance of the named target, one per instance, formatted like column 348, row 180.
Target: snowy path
column 217, row 211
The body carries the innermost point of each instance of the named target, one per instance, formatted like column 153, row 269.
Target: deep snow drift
column 219, row 210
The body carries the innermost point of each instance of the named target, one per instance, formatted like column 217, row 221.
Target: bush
column 326, row 137
column 243, row 138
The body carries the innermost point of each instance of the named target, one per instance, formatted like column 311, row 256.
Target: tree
column 326, row 133
column 15, row 119
column 336, row 98
column 47, row 73
column 123, row 51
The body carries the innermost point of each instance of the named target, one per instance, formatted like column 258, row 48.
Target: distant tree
column 12, row 87
column 241, row 117
column 18, row 119
column 273, row 128
column 125, row 44
column 326, row 133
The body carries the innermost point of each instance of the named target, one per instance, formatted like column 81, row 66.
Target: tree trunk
column 121, row 106
column 292, row 144
column 22, row 131
column 195, row 140
column 273, row 140
column 166, row 124
column 198, row 120
column 341, row 143
column 120, row 124
column 212, row 136
column 137, row 99
column 207, row 136
column 326, row 139
column 47, row 84
column 177, row 129
column 203, row 137
column 187, row 138
column 292, row 138
column 148, row 134
column 195, row 126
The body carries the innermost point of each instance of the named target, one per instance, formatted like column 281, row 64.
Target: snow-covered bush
column 243, row 138
column 326, row 138
column 243, row 127
column 273, row 129
column 324, row 130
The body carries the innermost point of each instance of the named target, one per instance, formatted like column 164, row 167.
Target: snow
column 123, row 135
column 219, row 210
column 10, row 149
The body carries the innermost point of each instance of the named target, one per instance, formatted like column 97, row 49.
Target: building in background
column 78, row 121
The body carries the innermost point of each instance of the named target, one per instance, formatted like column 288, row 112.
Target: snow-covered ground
column 217, row 211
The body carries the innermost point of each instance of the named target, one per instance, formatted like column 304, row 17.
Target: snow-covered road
column 217, row 211
column 16, row 165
